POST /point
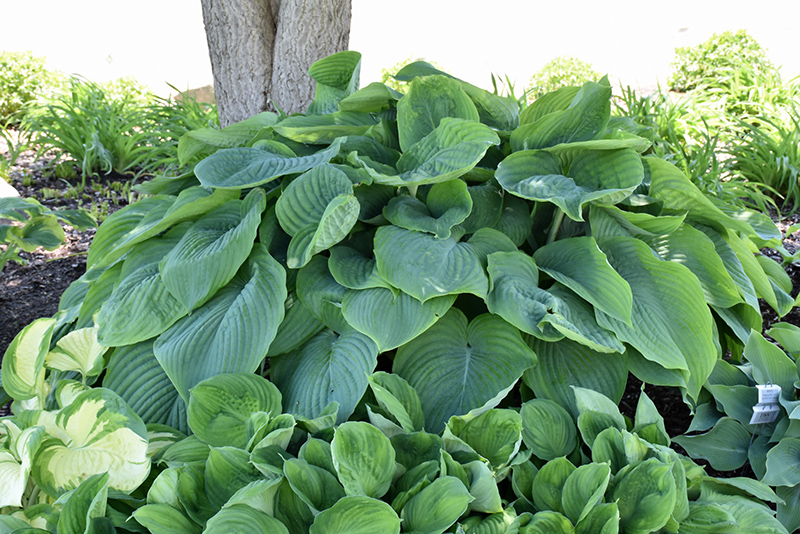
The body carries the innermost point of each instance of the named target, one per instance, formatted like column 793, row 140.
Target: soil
column 31, row 291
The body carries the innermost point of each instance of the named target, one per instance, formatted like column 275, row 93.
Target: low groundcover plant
column 352, row 321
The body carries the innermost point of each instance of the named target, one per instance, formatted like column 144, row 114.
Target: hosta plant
column 444, row 235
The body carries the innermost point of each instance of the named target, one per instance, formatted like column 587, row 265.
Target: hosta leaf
column 495, row 434
column 547, row 429
column 602, row 519
column 548, row 486
column 373, row 98
column 548, row 522
column 584, row 489
column 603, row 176
column 238, row 168
column 770, row 363
column 436, row 507
column 42, row 231
column 783, row 463
column 671, row 325
column 596, row 413
column 448, row 204
column 646, row 497
column 354, row 271
column 97, row 433
column 449, row 267
column 392, row 319
column 487, row 207
column 319, row 291
column 325, row 129
column 297, row 327
column 363, row 458
column 140, row 307
column 212, row 250
column 318, row 209
column 164, row 519
column 329, row 367
column 242, row 519
column 337, row 76
column 451, row 150
column 84, row 506
column 724, row 446
column 398, row 398
column 318, row 488
column 232, row 331
column 23, row 367
column 456, row 367
column 220, row 406
column 357, row 515
column 78, row 351
column 227, row 470
column 427, row 102
column 549, row 124
column 593, row 278
column 204, row 141
column 148, row 391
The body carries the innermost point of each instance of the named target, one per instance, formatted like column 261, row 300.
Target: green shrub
column 718, row 61
column 481, row 253
column 560, row 72
column 23, row 79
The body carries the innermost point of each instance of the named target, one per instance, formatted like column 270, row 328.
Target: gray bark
column 261, row 49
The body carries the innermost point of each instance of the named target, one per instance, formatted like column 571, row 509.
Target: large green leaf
column 84, row 506
column 448, row 204
column 547, row 429
column 496, row 435
column 435, row 508
column 456, row 367
column 243, row 519
column 321, row 294
column 164, row 519
column 97, row 433
column 783, row 463
column 426, row 267
column 337, row 76
column 451, row 150
column 724, row 446
column 237, row 168
column 592, row 277
column 204, row 141
column 427, row 102
column 325, row 129
column 363, row 458
column 770, row 364
column 317, row 209
column 671, row 324
column 227, row 470
column 584, row 489
column 646, row 497
column 212, row 250
column 602, row 176
column 42, row 231
column 329, row 367
column 357, row 515
column 548, row 486
column 392, row 318
column 373, row 98
column 318, row 488
column 232, row 331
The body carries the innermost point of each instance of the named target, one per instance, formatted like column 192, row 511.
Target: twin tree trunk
column 261, row 50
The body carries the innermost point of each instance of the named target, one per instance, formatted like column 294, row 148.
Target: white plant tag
column 767, row 409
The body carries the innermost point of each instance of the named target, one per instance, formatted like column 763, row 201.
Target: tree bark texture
column 261, row 49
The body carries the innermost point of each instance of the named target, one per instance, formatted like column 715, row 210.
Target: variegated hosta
column 445, row 235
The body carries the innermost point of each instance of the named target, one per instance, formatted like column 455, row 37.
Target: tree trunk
column 261, row 50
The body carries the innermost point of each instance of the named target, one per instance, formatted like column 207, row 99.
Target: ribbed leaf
column 318, row 488
column 231, row 332
column 238, row 168
column 456, row 367
column 671, row 325
column 547, row 429
column 447, row 267
column 448, row 204
column 373, row 98
column 243, row 519
column 212, row 250
column 337, row 76
column 319, row 291
column 42, row 231
column 436, row 507
column 325, row 129
column 392, row 318
column 354, row 271
column 357, row 515
column 328, row 368
column 363, row 458
column 724, row 446
column 204, row 141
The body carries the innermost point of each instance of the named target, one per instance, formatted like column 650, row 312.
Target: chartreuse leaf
column 318, row 488
column 85, row 504
column 583, row 118
column 417, row 448
column 649, row 423
column 77, row 351
column 329, row 368
column 392, row 318
column 290, row 509
column 603, row 176
column 164, row 519
column 140, row 307
column 228, row 469
column 337, row 77
column 601, row 519
column 724, row 446
column 547, row 429
column 363, row 458
column 317, row 209
column 584, row 489
column 671, row 324
column 707, row 517
column 212, row 250
column 326, row 129
column 435, row 508
column 399, row 399
column 357, row 515
column 750, row 516
column 204, row 141
column 97, row 433
column 456, row 367
column 645, row 496
column 565, row 363
column 592, row 278
column 428, row 101
column 424, row 267
column 451, row 150
column 239, row 168
column 23, row 367
column 148, row 391
column 231, row 332
column 548, row 522
column 373, row 98
column 549, row 483
column 243, row 519
column 597, row 412
column 219, row 407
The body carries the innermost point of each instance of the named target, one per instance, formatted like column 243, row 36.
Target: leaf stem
column 412, row 190
column 556, row 226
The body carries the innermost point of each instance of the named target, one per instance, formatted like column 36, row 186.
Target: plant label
column 768, row 394
column 766, row 413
